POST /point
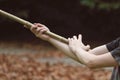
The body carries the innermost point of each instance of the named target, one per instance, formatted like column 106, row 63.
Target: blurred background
column 97, row 20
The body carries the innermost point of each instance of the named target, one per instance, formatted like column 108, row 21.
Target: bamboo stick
column 28, row 24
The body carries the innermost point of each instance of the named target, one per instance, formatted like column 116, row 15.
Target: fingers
column 42, row 30
column 78, row 42
column 33, row 28
column 73, row 41
column 39, row 25
column 87, row 47
column 75, row 37
column 70, row 40
column 38, row 28
column 80, row 37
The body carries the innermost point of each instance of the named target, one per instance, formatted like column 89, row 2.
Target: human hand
column 39, row 30
column 76, row 43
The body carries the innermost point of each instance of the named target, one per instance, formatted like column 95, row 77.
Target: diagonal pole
column 28, row 24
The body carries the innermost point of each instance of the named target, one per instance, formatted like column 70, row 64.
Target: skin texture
column 94, row 58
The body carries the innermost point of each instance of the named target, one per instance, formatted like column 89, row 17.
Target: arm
column 95, row 61
column 64, row 48
column 99, row 50
column 39, row 29
column 91, row 60
column 106, row 48
column 88, row 59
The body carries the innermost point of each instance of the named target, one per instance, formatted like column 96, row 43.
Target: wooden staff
column 28, row 24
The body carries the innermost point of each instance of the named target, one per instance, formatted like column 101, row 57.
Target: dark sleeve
column 114, row 48
column 114, row 44
column 116, row 54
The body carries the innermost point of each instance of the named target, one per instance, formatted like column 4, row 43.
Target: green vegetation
column 101, row 4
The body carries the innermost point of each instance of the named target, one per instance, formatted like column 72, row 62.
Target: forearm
column 63, row 47
column 99, row 50
column 91, row 54
column 96, row 61
column 84, row 57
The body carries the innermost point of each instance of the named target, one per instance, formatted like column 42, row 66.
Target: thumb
column 87, row 47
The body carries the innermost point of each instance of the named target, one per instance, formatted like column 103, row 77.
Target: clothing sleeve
column 114, row 44
column 116, row 54
column 114, row 49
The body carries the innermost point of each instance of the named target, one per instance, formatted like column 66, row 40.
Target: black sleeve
column 114, row 48
column 114, row 44
column 116, row 54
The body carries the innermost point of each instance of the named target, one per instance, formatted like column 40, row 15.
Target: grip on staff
column 28, row 24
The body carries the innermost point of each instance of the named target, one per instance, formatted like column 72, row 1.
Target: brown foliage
column 15, row 67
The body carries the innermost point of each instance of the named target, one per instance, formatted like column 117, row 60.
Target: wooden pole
column 28, row 24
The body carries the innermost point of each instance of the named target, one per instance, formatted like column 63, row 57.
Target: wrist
column 79, row 50
column 49, row 39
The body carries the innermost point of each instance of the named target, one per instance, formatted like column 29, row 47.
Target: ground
column 26, row 61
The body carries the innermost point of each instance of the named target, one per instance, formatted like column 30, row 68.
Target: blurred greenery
column 90, row 3
column 101, row 4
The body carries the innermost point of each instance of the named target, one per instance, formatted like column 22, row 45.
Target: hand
column 75, row 43
column 39, row 29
